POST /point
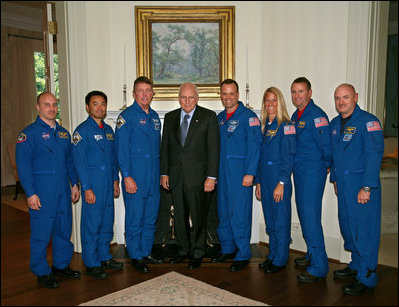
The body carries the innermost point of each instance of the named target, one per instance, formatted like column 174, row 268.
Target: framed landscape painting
column 185, row 44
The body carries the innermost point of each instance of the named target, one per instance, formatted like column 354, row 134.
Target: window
column 40, row 76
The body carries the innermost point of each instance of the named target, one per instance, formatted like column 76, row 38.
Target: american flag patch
column 373, row 126
column 320, row 122
column 289, row 129
column 254, row 121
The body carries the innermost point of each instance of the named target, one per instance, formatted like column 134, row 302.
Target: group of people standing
column 198, row 154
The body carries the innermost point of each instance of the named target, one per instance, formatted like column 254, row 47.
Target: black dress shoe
column 194, row 263
column 345, row 273
column 97, row 272
column 302, row 261
column 223, row 257
column 48, row 281
column 140, row 266
column 112, row 264
column 265, row 263
column 308, row 278
column 178, row 259
column 153, row 260
column 66, row 272
column 238, row 265
column 274, row 268
column 356, row 288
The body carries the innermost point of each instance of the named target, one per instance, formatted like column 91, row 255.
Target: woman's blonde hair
column 282, row 114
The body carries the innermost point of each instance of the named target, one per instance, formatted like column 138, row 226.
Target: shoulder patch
column 120, row 121
column 373, row 126
column 76, row 138
column 289, row 129
column 254, row 121
column 320, row 122
column 21, row 138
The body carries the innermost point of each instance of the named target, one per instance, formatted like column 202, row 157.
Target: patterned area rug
column 173, row 289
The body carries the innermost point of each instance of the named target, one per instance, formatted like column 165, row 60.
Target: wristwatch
column 366, row 189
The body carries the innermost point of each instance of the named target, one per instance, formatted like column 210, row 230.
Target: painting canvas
column 185, row 51
column 185, row 44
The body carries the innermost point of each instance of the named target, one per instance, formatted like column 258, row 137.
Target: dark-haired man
column 240, row 146
column 95, row 161
column 311, row 165
column 138, row 137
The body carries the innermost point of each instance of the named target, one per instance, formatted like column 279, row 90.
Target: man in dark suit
column 189, row 167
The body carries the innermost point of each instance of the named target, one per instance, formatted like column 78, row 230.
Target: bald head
column 350, row 87
column 345, row 97
column 46, row 105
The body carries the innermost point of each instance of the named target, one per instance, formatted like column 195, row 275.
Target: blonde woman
column 273, row 180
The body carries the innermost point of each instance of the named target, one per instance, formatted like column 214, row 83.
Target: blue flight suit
column 240, row 141
column 138, row 137
column 94, row 155
column 45, row 168
column 357, row 156
column 276, row 163
column 313, row 157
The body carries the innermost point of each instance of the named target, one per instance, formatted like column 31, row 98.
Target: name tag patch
column 63, row 135
column 350, row 130
column 271, row 132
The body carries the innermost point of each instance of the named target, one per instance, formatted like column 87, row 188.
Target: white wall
column 284, row 40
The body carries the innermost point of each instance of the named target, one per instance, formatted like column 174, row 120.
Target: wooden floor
column 19, row 285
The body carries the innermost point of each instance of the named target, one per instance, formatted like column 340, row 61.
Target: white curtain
column 18, row 93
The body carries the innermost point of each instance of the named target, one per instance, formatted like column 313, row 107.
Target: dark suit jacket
column 199, row 158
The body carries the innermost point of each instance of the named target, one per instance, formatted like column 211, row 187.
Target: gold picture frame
column 216, row 20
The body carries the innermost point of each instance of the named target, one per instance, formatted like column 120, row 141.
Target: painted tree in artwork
column 204, row 52
column 164, row 55
column 185, row 51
